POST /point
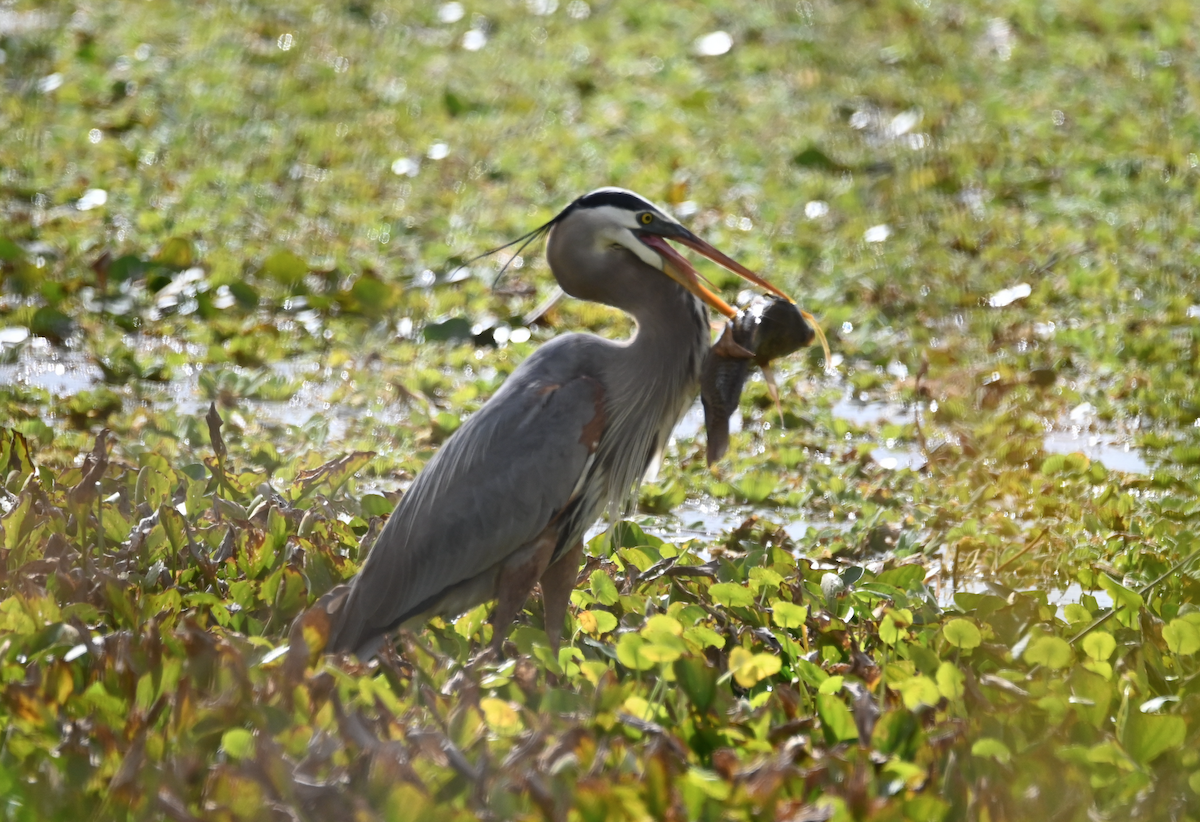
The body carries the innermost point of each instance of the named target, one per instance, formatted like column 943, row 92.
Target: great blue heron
column 504, row 504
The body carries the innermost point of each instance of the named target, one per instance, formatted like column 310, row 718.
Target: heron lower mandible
column 505, row 503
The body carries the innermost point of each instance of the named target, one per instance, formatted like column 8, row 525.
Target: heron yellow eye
column 647, row 218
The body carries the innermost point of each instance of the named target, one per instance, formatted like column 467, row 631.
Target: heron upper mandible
column 504, row 504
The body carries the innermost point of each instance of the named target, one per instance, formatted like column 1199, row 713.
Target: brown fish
column 763, row 331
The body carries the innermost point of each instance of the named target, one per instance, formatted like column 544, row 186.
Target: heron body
column 506, row 501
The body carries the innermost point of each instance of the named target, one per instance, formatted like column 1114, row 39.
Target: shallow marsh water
column 991, row 210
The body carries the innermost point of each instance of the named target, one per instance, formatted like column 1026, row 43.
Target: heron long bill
column 682, row 271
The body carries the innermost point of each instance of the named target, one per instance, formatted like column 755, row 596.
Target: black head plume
column 524, row 240
column 617, row 197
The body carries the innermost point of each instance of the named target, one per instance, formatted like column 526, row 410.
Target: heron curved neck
column 655, row 373
column 668, row 330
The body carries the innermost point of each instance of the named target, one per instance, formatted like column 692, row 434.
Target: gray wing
column 492, row 488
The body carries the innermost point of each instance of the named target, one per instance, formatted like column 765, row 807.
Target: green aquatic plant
column 953, row 581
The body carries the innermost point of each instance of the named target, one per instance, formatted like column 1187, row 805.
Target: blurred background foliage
column 874, row 609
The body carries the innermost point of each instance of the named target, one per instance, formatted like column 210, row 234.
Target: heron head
column 616, row 218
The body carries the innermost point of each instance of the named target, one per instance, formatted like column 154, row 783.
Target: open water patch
column 1107, row 449
column 62, row 373
column 866, row 413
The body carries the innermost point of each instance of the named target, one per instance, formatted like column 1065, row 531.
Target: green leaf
column 445, row 423
column 926, row 808
column 661, row 625
column 832, row 685
column 630, row 649
column 698, row 680
column 749, row 668
column 245, row 294
column 14, row 522
column 1122, row 596
column 962, row 633
column 892, row 626
column 788, row 615
column 10, row 251
column 757, row 486
column 596, row 622
column 816, row 159
column 501, row 716
column 1074, row 612
column 836, row 720
column 989, row 748
column 1099, row 645
column 703, row 637
column 603, row 588
column 626, row 534
column 1148, row 736
column 285, row 267
column 950, row 681
column 453, row 329
column 904, row 577
column 126, row 267
column 336, row 472
column 707, row 782
column 663, row 650
column 155, row 481
column 375, row 505
column 661, row 499
column 467, row 625
column 532, row 641
column 177, row 253
column 810, row 673
column 919, row 690
column 1182, row 637
column 242, row 592
column 1050, row 652
column 277, row 531
column 291, row 595
column 1093, row 695
column 52, row 324
column 731, row 595
column 195, row 498
column 238, row 743
column 99, row 698
column 373, row 295
column 636, row 557
column 173, row 526
column 764, row 578
column 1054, row 464
column 913, row 775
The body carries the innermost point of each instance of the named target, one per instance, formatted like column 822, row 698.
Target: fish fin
column 773, row 390
column 729, row 348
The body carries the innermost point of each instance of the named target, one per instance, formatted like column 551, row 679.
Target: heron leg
column 516, row 582
column 557, row 583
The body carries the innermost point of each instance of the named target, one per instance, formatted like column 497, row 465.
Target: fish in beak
column 676, row 266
